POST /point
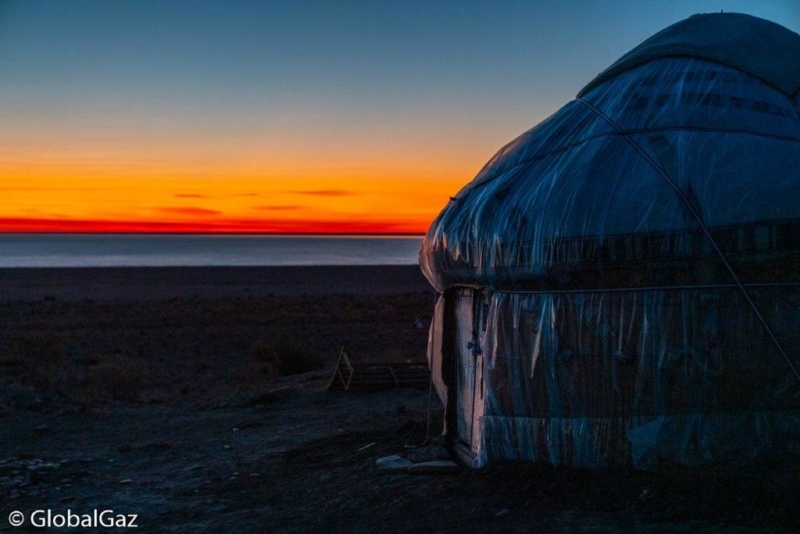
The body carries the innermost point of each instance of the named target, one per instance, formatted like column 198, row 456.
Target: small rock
column 393, row 464
column 439, row 466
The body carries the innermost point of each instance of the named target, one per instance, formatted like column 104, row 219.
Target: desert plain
column 195, row 398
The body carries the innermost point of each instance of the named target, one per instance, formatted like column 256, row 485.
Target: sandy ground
column 141, row 283
column 159, row 392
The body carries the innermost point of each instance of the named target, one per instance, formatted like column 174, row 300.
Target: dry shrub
column 119, row 379
column 283, row 357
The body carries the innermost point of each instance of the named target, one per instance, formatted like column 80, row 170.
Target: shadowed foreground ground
column 179, row 409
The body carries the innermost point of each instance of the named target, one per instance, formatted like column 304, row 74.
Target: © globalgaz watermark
column 70, row 519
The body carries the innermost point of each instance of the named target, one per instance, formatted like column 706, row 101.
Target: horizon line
column 221, row 233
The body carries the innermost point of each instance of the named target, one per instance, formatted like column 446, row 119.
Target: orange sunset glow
column 139, row 199
column 96, row 181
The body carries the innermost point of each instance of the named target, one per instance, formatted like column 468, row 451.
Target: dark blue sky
column 374, row 59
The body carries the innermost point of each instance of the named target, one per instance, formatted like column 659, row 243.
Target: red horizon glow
column 60, row 226
column 111, row 202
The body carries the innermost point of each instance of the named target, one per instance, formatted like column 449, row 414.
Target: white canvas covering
column 635, row 259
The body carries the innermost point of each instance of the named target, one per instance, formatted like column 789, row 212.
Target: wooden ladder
column 377, row 376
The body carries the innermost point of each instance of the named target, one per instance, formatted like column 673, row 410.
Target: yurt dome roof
column 678, row 165
column 756, row 46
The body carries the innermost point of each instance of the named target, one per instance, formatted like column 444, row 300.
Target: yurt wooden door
column 469, row 369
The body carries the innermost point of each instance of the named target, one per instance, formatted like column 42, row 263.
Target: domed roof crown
column 759, row 47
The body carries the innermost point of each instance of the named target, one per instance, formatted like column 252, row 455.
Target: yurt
column 620, row 285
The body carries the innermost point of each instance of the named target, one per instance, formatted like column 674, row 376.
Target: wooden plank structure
column 377, row 376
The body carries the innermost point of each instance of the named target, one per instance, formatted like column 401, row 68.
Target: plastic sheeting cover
column 762, row 48
column 611, row 240
column 650, row 377
column 573, row 204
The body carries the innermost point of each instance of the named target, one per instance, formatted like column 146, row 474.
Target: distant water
column 125, row 250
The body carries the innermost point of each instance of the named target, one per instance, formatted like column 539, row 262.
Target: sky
column 287, row 117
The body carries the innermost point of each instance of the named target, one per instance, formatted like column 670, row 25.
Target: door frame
column 466, row 452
